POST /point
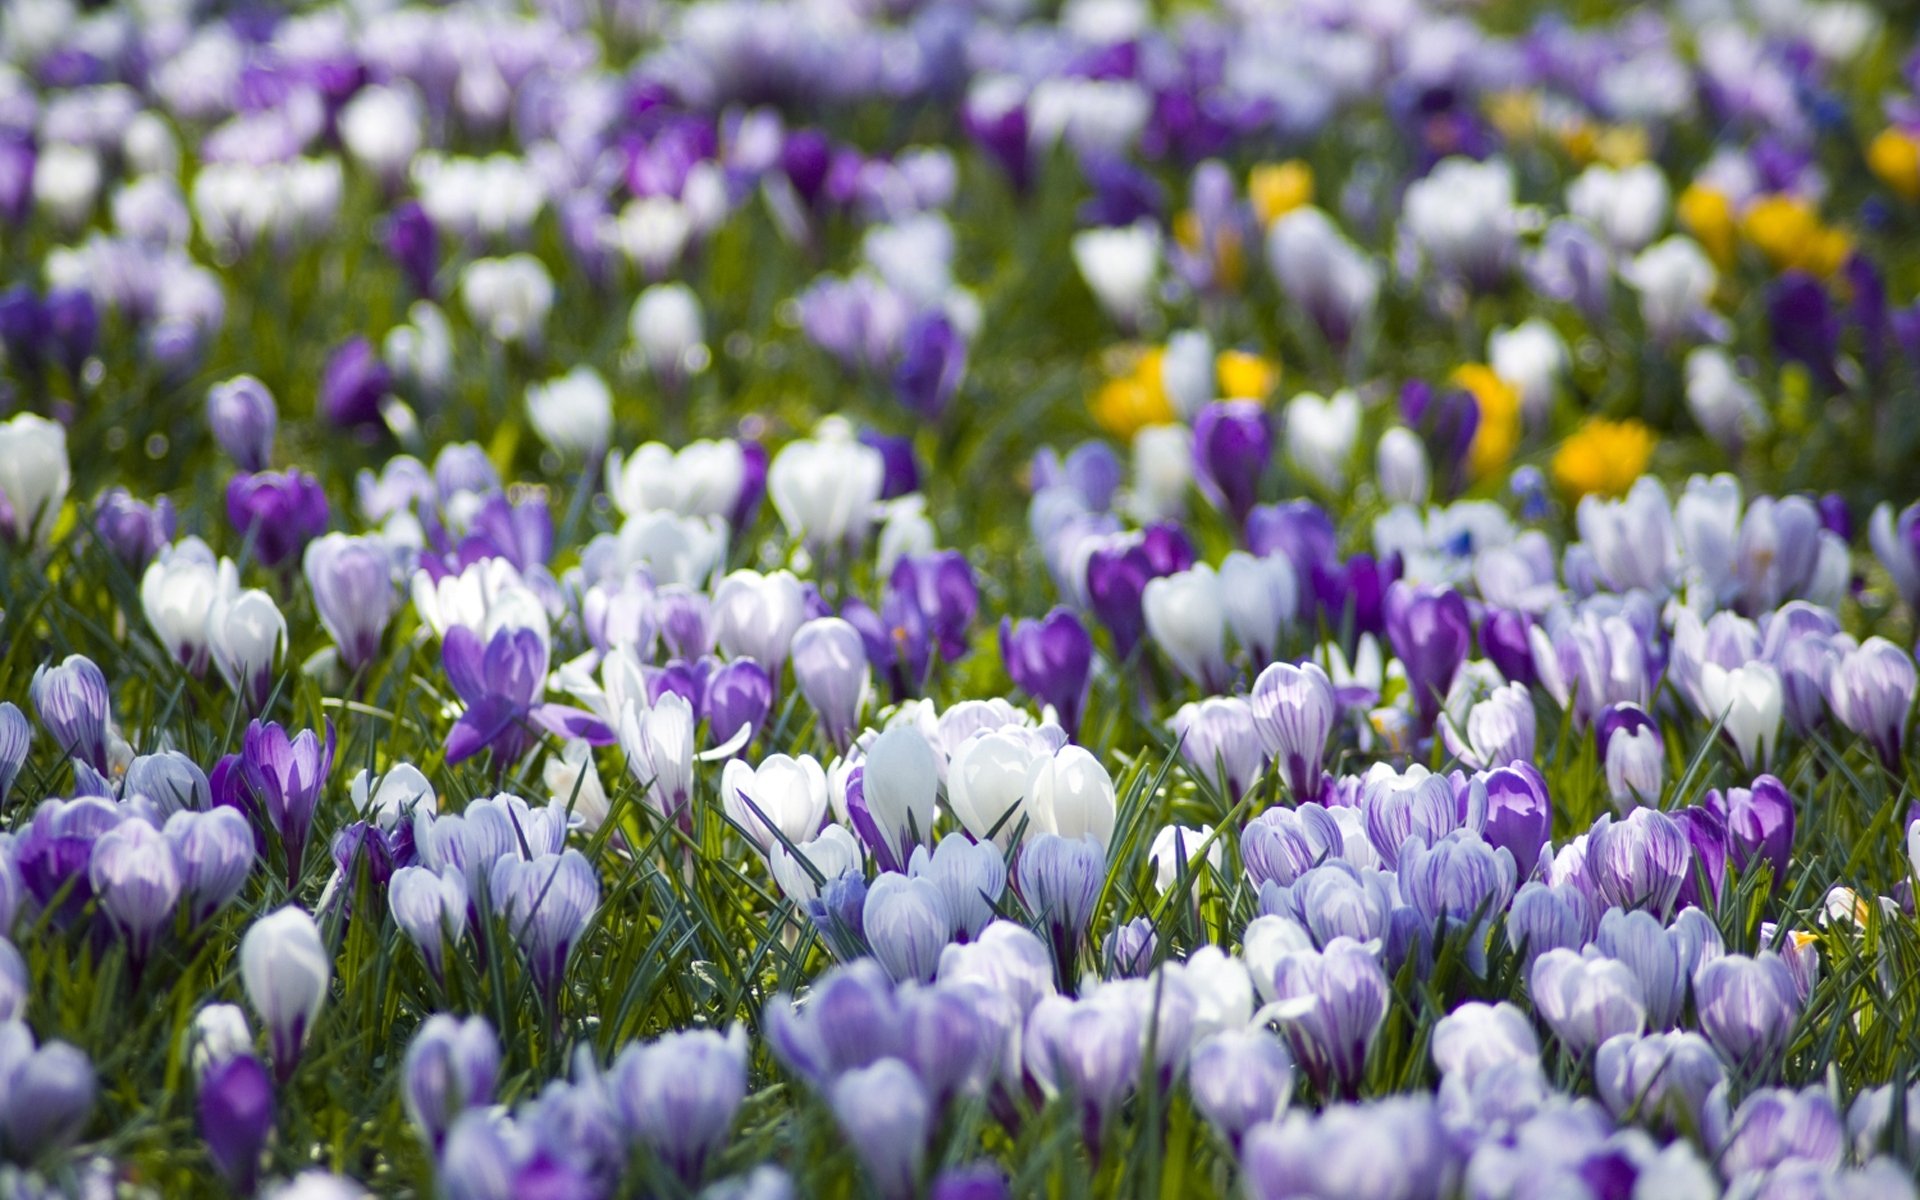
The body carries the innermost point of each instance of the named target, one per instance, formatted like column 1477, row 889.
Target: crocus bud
column 248, row 636
column 215, row 853
column 1059, row 879
column 1051, row 659
column 1544, row 918
column 243, row 418
column 353, row 385
column 1320, row 436
column 970, row 875
column 1239, row 1078
column 1332, row 280
column 15, row 736
column 430, row 906
column 830, row 665
column 133, row 532
column 573, row 414
column 1662, row 1078
column 669, row 331
column 1293, row 710
column 1221, row 743
column 1129, row 949
column 1119, row 266
column 451, row 1065
column 34, row 477
column 1071, row 794
column 353, row 592
column 1747, row 1008
column 679, row 1094
column 413, row 243
column 1638, row 861
column 1185, row 613
column 899, row 785
column 1759, row 823
column 286, row 970
column 1431, row 633
column 825, row 490
column 1231, row 448
column 1586, row 1000
column 907, row 924
column 1346, row 994
column 783, row 793
column 277, row 513
column 1632, row 753
column 235, row 1109
column 47, row 1097
column 1871, row 691
column 1519, row 812
column 547, row 903
column 987, row 781
column 1500, row 730
column 1785, row 1136
column 885, row 1114
column 71, row 701
column 286, row 776
column 1400, row 467
column 136, row 877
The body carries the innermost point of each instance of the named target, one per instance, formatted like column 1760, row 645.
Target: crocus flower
column 825, row 490
column 215, row 853
column 1240, row 1078
column 451, row 1065
column 34, row 478
column 15, row 736
column 547, row 903
column 1519, row 816
column 1333, row 1002
column 243, row 417
column 236, row 1113
column 1586, row 1000
column 285, row 776
column 1221, row 743
column 1663, row 1078
column 71, row 701
column 1632, row 753
column 46, row 1094
column 1431, row 634
column 430, row 907
column 353, row 593
column 1059, row 878
column 1185, row 612
column 1231, row 449
column 1748, row 702
column 286, row 970
column 132, row 531
column 1544, row 918
column 1638, row 861
column 137, row 879
column 899, row 784
column 248, row 635
column 884, row 1111
column 1747, row 1008
column 1871, row 691
column 1759, row 823
column 1775, row 1128
column 680, row 1093
column 907, row 924
column 830, row 665
column 354, row 384
column 1293, row 710
column 500, row 681
column 1499, row 730
column 783, row 793
column 277, row 513
column 1051, row 659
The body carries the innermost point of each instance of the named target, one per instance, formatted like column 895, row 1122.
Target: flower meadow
column 959, row 599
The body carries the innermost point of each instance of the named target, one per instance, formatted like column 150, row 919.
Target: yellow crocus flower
column 1245, row 376
column 1276, row 189
column 1791, row 234
column 1894, row 155
column 1707, row 214
column 1603, row 458
column 1499, row 429
column 1133, row 399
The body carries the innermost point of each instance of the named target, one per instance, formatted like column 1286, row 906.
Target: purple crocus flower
column 1639, row 861
column 1339, row 998
column 900, row 467
column 71, row 701
column 850, row 1019
column 17, row 158
column 1805, row 328
column 137, row 880
column 1447, row 419
column 1871, row 691
column 52, row 853
column 1505, row 642
column 353, row 593
column 1710, row 849
column 680, row 1093
column 998, row 126
column 941, row 588
column 1232, row 446
column 1051, row 659
column 132, row 531
column 22, row 327
column 1519, row 813
column 277, row 512
column 15, row 736
column 739, row 695
column 1117, row 578
column 500, row 682
column 73, row 325
column 1294, row 711
column 413, row 242
column 933, row 360
column 1759, row 823
column 1299, row 529
column 236, row 1114
column 243, row 417
column 1352, row 595
column 49, row 1094
column 1775, row 1128
column 216, row 853
column 1544, row 917
column 1059, row 879
column 1663, row 1078
column 353, row 385
column 979, row 1181
column 286, row 776
column 1431, row 634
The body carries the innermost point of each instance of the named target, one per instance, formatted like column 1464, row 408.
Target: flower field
column 959, row 599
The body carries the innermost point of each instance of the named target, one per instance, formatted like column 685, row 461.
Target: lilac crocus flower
column 48, row 1096
column 52, row 852
column 1499, row 729
column 1638, row 861
column 285, row 776
column 548, row 903
column 1871, row 691
column 1747, row 1008
column 1239, row 1078
column 15, row 736
column 1546, row 917
column 277, row 512
column 1586, row 999
column 353, row 385
column 970, row 875
column 1334, row 1001
column 215, row 852
column 885, row 1113
column 1051, row 659
column 451, row 1065
column 1232, row 446
column 1059, row 879
column 353, row 593
column 1663, row 1078
column 680, row 1093
column 907, row 924
column 137, row 880
column 243, row 417
column 1896, row 543
column 430, row 906
column 1294, row 711
column 1221, row 743
column 830, row 665
column 236, row 1113
column 71, row 701
column 1775, row 1127
column 1460, row 882
column 739, row 695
